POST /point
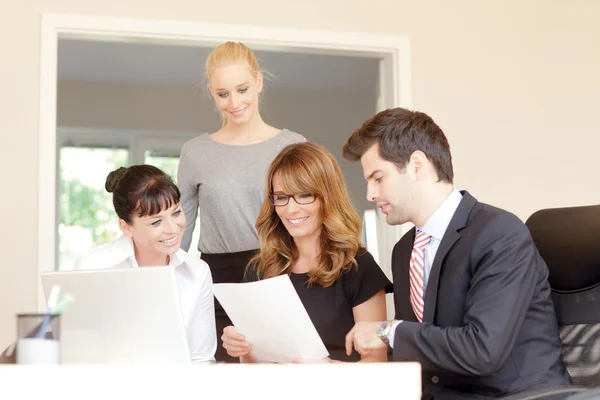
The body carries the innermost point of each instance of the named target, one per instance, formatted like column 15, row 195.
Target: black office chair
column 569, row 241
column 592, row 394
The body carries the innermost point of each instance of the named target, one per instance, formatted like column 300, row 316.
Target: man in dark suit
column 471, row 291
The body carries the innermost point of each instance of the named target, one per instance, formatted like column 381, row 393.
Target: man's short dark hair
column 400, row 132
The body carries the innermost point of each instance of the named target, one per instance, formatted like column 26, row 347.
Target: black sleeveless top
column 330, row 309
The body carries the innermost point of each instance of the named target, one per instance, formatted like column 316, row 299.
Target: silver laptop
column 121, row 316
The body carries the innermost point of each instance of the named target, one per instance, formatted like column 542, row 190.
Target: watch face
column 383, row 329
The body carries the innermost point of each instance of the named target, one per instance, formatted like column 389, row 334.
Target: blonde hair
column 230, row 53
column 308, row 168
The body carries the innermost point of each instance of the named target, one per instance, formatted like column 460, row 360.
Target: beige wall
column 513, row 83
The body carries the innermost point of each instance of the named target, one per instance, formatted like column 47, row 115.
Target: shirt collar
column 123, row 250
column 437, row 224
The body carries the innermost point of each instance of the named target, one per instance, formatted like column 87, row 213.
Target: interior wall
column 323, row 117
column 513, row 83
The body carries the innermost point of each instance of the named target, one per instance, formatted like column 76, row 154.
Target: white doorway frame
column 395, row 68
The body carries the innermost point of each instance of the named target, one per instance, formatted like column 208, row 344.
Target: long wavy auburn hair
column 308, row 168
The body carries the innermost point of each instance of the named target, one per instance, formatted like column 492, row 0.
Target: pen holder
column 38, row 339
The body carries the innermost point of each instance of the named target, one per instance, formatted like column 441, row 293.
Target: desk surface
column 217, row 381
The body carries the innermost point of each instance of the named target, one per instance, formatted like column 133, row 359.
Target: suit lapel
column 458, row 221
column 404, row 308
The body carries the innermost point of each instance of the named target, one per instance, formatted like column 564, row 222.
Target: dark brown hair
column 399, row 133
column 141, row 190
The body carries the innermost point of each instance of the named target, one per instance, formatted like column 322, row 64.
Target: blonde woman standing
column 222, row 173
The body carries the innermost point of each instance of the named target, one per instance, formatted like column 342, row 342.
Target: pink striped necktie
column 416, row 270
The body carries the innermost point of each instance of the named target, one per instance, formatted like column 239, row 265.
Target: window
column 370, row 233
column 86, row 214
column 167, row 163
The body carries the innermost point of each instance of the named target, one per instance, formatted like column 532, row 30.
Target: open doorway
column 123, row 103
column 324, row 85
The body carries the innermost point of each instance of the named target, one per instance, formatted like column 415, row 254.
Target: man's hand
column 363, row 337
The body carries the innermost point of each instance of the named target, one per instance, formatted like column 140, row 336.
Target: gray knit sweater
column 227, row 182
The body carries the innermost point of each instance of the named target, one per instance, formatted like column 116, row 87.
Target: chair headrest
column 569, row 241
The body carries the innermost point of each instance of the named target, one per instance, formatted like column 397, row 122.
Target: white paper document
column 271, row 316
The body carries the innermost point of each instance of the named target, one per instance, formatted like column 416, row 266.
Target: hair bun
column 114, row 178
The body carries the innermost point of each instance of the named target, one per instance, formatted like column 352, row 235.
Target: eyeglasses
column 281, row 199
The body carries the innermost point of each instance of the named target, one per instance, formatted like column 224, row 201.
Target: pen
column 52, row 300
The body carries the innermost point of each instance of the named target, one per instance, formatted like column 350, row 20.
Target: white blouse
column 194, row 285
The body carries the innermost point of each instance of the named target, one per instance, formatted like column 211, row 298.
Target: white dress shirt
column 435, row 227
column 194, row 286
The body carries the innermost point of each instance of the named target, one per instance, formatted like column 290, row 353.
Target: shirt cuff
column 392, row 333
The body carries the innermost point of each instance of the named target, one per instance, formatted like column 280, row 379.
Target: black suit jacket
column 489, row 328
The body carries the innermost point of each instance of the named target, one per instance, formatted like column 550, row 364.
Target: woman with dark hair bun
column 150, row 216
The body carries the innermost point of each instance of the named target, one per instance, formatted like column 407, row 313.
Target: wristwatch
column 383, row 330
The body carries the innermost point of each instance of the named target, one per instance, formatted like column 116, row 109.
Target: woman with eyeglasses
column 309, row 229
